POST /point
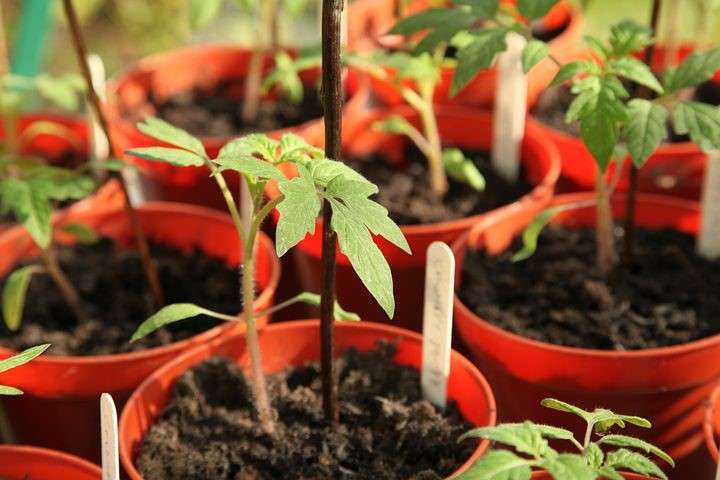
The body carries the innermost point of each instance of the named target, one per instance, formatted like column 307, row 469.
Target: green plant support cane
column 33, row 26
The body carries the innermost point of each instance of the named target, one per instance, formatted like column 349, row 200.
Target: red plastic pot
column 480, row 91
column 31, row 463
column 666, row 385
column 459, row 126
column 674, row 169
column 292, row 344
column 626, row 476
column 60, row 406
column 177, row 71
column 711, row 427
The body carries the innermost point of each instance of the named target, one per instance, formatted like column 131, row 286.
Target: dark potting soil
column 112, row 284
column 668, row 296
column 218, row 112
column 555, row 101
column 386, row 431
column 406, row 195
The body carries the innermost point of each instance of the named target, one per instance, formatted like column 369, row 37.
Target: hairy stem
column 332, row 106
column 606, row 257
column 438, row 177
column 267, row 42
column 588, row 435
column 63, row 283
column 94, row 100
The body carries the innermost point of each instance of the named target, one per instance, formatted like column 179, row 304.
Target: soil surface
column 555, row 101
column 558, row 296
column 404, row 191
column 112, row 284
column 218, row 112
column 208, row 431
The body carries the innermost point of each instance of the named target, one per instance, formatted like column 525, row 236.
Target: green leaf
column 421, row 68
column 298, row 211
column 523, row 437
column 625, row 441
column 462, row 169
column 478, row 55
column 250, row 166
column 533, row 53
column 532, row 233
column 173, row 156
column 535, row 9
column 81, row 232
column 566, row 407
column 23, row 357
column 111, row 165
column 700, row 121
column 255, row 144
column 646, row 129
column 295, row 149
column 698, row 67
column 171, row 314
column 609, row 473
column 59, row 183
column 202, row 12
column 486, row 9
column 629, row 36
column 549, row 431
column 340, row 313
column 285, row 76
column 8, row 391
column 636, row 71
column 623, row 459
column 431, row 18
column 594, row 455
column 165, row 132
column 62, row 91
column 568, row 467
column 31, row 208
column 498, row 465
column 324, row 170
column 605, row 419
column 13, row 296
column 598, row 47
column 569, row 70
column 394, row 124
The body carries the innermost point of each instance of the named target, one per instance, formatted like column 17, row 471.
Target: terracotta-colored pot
column 676, row 168
column 170, row 73
column 72, row 139
column 293, row 344
column 60, row 405
column 480, row 91
column 667, row 385
column 459, row 126
column 32, row 463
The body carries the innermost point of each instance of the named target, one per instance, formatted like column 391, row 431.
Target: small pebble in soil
column 666, row 297
column 386, row 432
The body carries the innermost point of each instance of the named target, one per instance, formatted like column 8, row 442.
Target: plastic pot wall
column 60, row 406
column 293, row 344
column 31, row 463
column 669, row 386
column 459, row 126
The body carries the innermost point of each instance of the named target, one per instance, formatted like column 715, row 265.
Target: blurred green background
column 122, row 31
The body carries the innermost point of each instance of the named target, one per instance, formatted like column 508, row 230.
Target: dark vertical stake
column 332, row 105
column 94, row 100
column 642, row 92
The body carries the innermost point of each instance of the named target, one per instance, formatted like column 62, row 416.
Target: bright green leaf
column 625, row 441
column 623, row 459
column 22, row 357
column 339, row 312
column 255, row 144
column 165, row 132
column 498, row 465
column 462, row 169
column 523, row 437
column 431, row 18
column 532, row 233
column 62, row 91
column 566, row 407
column 533, row 53
column 171, row 314
column 298, row 211
column 250, row 166
column 594, row 455
column 13, row 296
column 173, row 156
column 646, row 129
column 9, row 391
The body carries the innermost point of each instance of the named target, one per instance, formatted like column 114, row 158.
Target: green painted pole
column 33, row 26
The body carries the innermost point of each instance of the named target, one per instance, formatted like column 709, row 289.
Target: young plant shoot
column 532, row 450
column 256, row 157
column 17, row 360
column 610, row 119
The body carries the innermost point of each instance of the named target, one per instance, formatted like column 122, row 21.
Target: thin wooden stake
column 437, row 322
column 4, row 59
column 94, row 101
column 332, row 103
column 109, row 438
column 510, row 109
column 709, row 239
column 99, row 146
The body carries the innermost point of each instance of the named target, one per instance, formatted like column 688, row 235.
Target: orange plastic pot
column 293, row 344
column 626, row 476
column 480, row 92
column 667, row 385
column 711, row 426
column 675, row 168
column 32, row 463
column 167, row 74
column 459, row 126
column 60, row 406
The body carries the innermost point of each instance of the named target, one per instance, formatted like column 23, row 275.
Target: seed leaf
column 173, row 156
column 646, row 129
column 533, row 53
column 498, row 465
column 171, row 314
column 13, row 296
column 313, row 299
column 298, row 211
column 566, row 407
column 477, row 55
column 462, row 169
column 535, row 9
column 163, row 131
column 9, row 391
column 22, row 357
column 532, row 233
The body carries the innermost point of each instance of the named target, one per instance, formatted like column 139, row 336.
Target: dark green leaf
column 698, row 67
column 569, row 70
column 478, row 55
column 636, row 71
column 13, row 296
column 533, row 53
column 535, row 9
column 431, row 18
column 532, row 233
column 646, row 129
column 484, row 9
column 625, row 441
column 498, row 465
column 173, row 156
column 601, row 118
column 163, row 131
column 700, row 121
column 462, row 169
column 298, row 211
column 171, row 314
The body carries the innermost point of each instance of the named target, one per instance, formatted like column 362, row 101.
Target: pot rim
column 55, row 455
column 709, row 423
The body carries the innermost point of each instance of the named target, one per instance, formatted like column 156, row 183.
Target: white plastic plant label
column 109, row 438
column 709, row 238
column 437, row 323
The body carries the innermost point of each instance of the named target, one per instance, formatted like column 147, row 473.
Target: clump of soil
column 558, row 295
column 405, row 193
column 555, row 101
column 112, row 284
column 386, row 430
column 217, row 112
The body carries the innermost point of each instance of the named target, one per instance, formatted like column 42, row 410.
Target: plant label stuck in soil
column 510, row 109
column 109, row 433
column 100, row 149
column 709, row 240
column 437, row 322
